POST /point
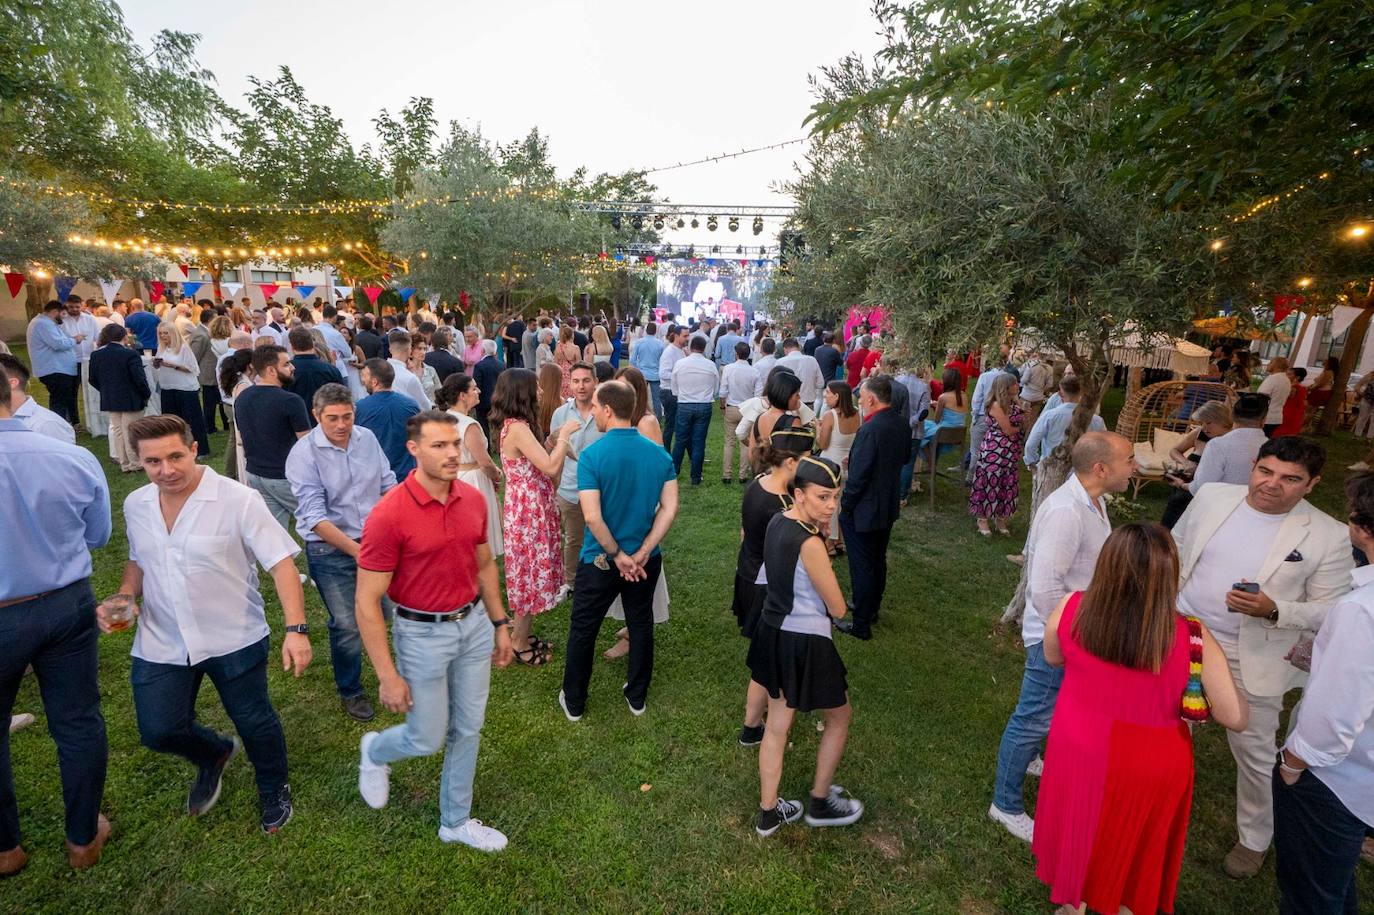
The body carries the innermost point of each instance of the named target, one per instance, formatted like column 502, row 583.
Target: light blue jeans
column 448, row 669
column 1027, row 729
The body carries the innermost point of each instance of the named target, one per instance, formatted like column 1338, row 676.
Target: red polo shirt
column 430, row 547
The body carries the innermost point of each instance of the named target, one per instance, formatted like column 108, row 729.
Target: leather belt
column 19, row 600
column 420, row 616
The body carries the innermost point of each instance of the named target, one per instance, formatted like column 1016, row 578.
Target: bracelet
column 503, row 621
column 1284, row 767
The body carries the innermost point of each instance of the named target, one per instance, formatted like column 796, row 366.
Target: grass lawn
column 618, row 813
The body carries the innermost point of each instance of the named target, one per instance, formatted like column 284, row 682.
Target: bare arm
column 663, row 519
column 823, row 433
column 131, row 583
column 549, row 463
column 999, row 416
column 1228, row 705
column 1179, row 453
column 392, row 690
column 295, row 646
column 473, row 442
column 590, row 500
column 489, row 589
column 1054, row 652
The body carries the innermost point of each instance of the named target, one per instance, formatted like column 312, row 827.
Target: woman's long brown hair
column 1128, row 615
column 635, row 379
column 516, row 397
column 550, row 398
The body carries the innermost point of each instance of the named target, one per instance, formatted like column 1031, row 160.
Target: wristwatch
column 503, row 621
column 1273, row 616
column 302, row 628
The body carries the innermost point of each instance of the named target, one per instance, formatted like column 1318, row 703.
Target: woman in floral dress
column 996, row 480
column 534, row 560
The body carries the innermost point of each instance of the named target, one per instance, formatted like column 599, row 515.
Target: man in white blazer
column 1263, row 535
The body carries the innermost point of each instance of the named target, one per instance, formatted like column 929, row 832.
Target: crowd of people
column 537, row 461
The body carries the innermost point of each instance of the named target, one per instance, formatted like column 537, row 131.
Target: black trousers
column 593, row 594
column 1317, row 843
column 1178, row 503
column 669, row 401
column 210, row 405
column 62, row 395
column 187, row 405
column 867, row 551
column 58, row 636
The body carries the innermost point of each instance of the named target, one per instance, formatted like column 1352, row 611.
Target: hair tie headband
column 820, row 471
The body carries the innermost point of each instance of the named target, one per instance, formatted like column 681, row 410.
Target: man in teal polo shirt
column 628, row 491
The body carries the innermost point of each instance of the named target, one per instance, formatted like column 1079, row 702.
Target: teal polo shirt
column 629, row 470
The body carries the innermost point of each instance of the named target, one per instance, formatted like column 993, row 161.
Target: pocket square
column 1294, row 556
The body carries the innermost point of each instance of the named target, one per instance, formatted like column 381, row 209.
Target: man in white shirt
column 78, row 323
column 30, row 412
column 738, row 383
column 674, row 351
column 1291, row 563
column 1065, row 539
column 807, row 370
column 695, row 381
column 1324, row 784
column 1276, row 386
column 406, row 382
column 194, row 540
column 764, row 364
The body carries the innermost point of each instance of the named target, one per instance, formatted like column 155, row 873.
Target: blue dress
column 949, row 419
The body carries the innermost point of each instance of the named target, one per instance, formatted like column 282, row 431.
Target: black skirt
column 747, row 604
column 805, row 670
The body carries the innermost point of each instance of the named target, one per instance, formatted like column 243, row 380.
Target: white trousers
column 1254, row 750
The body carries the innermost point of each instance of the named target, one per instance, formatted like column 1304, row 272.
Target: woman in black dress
column 792, row 655
column 765, row 497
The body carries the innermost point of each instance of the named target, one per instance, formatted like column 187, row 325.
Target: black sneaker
column 276, row 809
column 358, row 707
column 834, row 809
column 205, row 789
column 751, row 736
column 768, row 822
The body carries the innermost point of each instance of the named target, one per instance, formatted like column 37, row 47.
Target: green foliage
column 34, row 230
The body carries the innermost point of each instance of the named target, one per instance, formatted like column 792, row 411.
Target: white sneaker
column 563, row 704
column 633, row 711
column 374, row 781
column 1358, row 465
column 1019, row 825
column 1036, row 767
column 474, row 835
column 21, row 721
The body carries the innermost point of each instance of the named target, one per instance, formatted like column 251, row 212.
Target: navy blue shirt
column 143, row 325
column 829, row 359
column 384, row 414
column 312, row 373
column 629, row 470
column 268, row 419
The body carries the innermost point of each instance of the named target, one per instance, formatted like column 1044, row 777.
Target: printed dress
column 997, row 478
column 1113, row 807
column 534, row 559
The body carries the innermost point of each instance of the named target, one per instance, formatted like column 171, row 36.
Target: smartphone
column 1251, row 587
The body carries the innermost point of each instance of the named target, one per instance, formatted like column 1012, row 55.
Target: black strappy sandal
column 534, row 656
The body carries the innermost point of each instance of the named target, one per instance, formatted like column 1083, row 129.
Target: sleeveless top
column 840, row 443
column 791, row 602
column 757, row 509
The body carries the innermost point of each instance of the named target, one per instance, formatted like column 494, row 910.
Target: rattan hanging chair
column 1165, row 406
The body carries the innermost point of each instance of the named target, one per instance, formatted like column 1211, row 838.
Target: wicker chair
column 1167, row 406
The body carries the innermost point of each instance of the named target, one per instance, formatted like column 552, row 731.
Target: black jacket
column 117, row 373
column 881, row 447
column 485, row 373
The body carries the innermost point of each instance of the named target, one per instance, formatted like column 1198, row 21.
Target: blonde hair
column 178, row 341
column 221, row 328
column 600, row 338
column 1213, row 411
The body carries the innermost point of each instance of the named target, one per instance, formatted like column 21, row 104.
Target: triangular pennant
column 434, row 298
column 1341, row 318
column 406, row 293
column 110, row 290
column 64, row 285
column 343, row 291
column 191, row 289
column 306, row 291
column 268, row 290
column 185, row 270
column 372, row 293
column 231, row 289
column 16, row 282
column 156, row 287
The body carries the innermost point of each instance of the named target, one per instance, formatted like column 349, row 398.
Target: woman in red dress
column 1118, row 780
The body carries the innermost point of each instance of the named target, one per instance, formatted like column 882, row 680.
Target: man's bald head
column 1098, row 448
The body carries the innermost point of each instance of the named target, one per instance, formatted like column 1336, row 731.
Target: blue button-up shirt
column 725, row 348
column 580, row 440
column 1049, row 430
column 55, row 510
column 334, row 484
column 385, row 414
column 645, row 355
column 51, row 351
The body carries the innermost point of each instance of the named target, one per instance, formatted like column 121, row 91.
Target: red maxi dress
column 1113, row 805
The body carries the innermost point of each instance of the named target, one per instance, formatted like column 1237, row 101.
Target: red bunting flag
column 156, row 288
column 268, row 290
column 185, row 270
column 1284, row 306
column 372, row 293
column 16, row 282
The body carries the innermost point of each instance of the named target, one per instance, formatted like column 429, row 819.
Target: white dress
column 482, row 483
column 617, row 609
column 838, row 451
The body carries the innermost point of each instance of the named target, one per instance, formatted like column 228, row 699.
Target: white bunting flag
column 434, row 298
column 230, row 290
column 343, row 291
column 110, row 290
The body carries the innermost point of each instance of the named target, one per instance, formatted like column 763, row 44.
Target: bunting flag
column 434, row 298
column 305, row 291
column 343, row 292
column 406, row 293
column 185, row 270
column 231, row 290
column 268, row 290
column 191, row 289
column 1284, row 305
column 110, row 290
column 64, row 285
column 372, row 293
column 16, row 282
column 155, row 287
column 1341, row 318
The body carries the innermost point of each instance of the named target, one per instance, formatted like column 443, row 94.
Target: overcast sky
column 613, row 85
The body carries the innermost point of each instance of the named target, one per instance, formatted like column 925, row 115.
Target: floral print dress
column 997, row 478
column 534, row 561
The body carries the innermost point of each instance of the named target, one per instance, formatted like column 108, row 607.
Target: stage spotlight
column 739, row 249
column 694, row 222
column 715, row 249
column 658, row 223
column 711, row 223
column 691, row 251
column 615, row 222
column 758, row 225
column 734, row 223
column 638, row 222
column 680, row 223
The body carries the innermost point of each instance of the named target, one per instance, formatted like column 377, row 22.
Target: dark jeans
column 186, row 404
column 1317, row 846
column 867, row 551
column 336, row 576
column 210, row 405
column 1175, row 507
column 62, row 395
column 593, row 594
column 693, row 422
column 669, row 400
column 656, row 396
column 165, row 702
column 57, row 635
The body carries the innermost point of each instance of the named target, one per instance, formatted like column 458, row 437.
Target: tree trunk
column 39, row 293
column 1350, row 357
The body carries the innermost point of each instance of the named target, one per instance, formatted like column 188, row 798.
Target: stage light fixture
column 615, row 222
column 715, row 249
column 739, row 249
column 694, row 222
column 758, row 225
column 658, row 223
column 734, row 223
column 638, row 222
column 680, row 223
column 711, row 223
column 692, row 251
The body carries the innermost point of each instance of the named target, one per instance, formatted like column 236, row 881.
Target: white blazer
column 1307, row 569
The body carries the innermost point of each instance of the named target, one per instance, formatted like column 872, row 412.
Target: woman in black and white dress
column 793, row 657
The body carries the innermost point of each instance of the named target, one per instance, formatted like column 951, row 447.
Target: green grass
column 620, row 813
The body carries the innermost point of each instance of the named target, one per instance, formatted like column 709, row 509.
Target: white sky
column 613, row 85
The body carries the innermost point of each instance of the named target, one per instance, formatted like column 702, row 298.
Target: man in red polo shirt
column 425, row 546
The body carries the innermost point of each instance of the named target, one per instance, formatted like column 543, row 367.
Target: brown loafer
column 13, row 861
column 81, row 857
column 1241, row 862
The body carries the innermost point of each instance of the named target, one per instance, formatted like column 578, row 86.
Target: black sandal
column 534, row 656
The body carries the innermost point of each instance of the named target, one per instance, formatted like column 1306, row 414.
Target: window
column 281, row 277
